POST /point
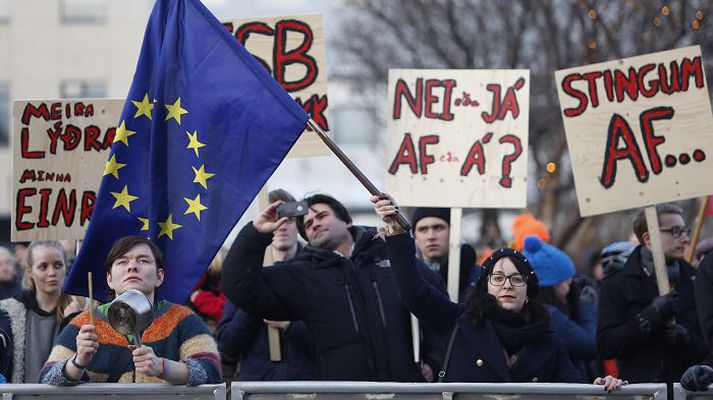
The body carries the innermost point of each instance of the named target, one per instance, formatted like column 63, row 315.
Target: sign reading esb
column 291, row 48
column 639, row 130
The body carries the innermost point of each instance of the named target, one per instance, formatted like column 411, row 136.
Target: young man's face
column 285, row 237
column 431, row 235
column 673, row 247
column 323, row 228
column 136, row 269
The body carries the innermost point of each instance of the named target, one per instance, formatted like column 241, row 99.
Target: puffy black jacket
column 358, row 327
column 644, row 356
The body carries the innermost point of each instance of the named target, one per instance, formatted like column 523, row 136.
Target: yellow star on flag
column 195, row 206
column 143, row 107
column 168, row 227
column 193, row 143
column 123, row 199
column 175, row 111
column 112, row 167
column 202, row 176
column 145, row 222
column 122, row 134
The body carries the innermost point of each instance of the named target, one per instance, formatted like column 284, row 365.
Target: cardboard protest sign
column 458, row 138
column 639, row 130
column 60, row 149
column 291, row 48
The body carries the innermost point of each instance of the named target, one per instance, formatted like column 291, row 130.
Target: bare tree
column 539, row 35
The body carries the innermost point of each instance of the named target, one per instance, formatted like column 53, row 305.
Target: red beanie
column 524, row 225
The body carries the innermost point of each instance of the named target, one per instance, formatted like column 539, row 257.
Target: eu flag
column 203, row 128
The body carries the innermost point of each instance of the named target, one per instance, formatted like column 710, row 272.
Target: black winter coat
column 243, row 336
column 477, row 354
column 358, row 327
column 703, row 288
column 644, row 356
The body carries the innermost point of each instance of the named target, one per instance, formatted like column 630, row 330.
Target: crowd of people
column 336, row 299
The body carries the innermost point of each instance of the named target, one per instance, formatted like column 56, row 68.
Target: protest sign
column 58, row 147
column 291, row 48
column 639, row 130
column 458, row 138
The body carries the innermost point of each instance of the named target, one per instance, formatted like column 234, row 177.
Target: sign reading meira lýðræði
column 291, row 48
column 59, row 146
column 639, row 130
column 458, row 138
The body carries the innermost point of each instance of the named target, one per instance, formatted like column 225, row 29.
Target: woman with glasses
column 501, row 332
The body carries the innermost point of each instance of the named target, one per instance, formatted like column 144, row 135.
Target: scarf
column 647, row 262
column 515, row 330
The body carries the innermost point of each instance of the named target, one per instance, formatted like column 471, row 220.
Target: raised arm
column 430, row 305
column 243, row 278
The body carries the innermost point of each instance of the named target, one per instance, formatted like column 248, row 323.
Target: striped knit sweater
column 176, row 333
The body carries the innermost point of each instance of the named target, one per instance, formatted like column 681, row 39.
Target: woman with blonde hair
column 34, row 316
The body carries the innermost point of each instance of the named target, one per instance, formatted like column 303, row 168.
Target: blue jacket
column 579, row 335
column 244, row 336
column 477, row 355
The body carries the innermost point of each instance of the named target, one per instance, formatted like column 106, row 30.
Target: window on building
column 83, row 11
column 353, row 125
column 77, row 89
column 5, row 123
column 4, row 11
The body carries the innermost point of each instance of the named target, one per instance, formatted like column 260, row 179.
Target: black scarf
column 515, row 330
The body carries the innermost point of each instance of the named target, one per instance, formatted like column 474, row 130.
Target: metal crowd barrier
column 680, row 393
column 436, row 391
column 152, row 391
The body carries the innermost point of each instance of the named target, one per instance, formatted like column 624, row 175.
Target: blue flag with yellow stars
column 203, row 128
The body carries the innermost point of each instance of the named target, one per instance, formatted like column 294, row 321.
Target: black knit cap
column 523, row 266
column 423, row 212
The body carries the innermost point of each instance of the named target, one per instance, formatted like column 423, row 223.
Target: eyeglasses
column 515, row 280
column 676, row 232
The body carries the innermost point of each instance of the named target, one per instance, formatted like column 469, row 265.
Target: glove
column 677, row 335
column 655, row 314
column 697, row 378
column 588, row 294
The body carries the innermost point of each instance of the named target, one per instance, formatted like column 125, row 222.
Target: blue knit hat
column 551, row 264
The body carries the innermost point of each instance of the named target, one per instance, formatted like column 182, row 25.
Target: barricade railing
column 679, row 393
column 436, row 391
column 92, row 391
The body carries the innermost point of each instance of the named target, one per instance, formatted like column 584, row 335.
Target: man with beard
column 341, row 286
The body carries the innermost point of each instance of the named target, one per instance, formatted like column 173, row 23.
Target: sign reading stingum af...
column 639, row 130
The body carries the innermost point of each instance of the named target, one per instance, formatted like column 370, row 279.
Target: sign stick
column 454, row 253
column 273, row 334
column 90, row 304
column 697, row 230
column 415, row 339
column 652, row 221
